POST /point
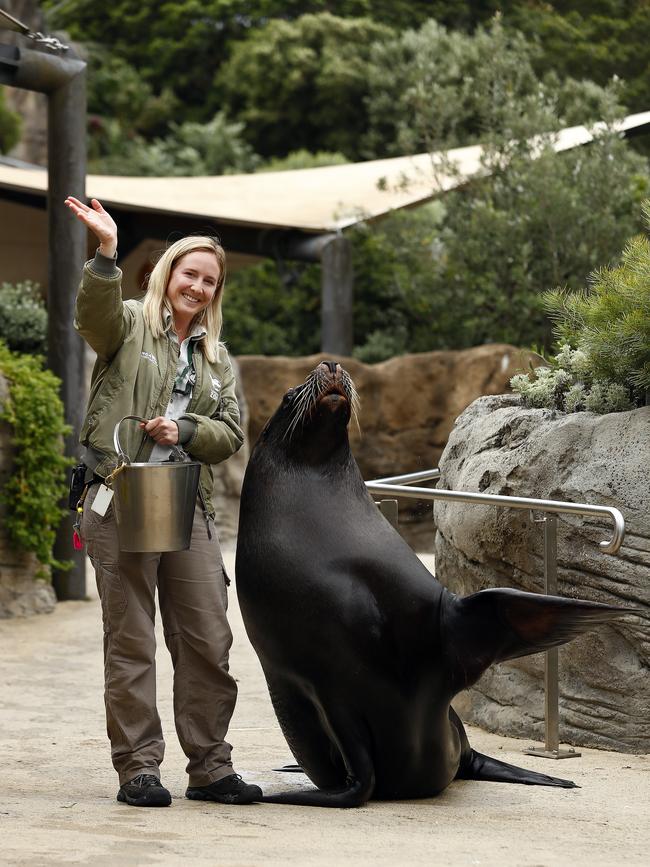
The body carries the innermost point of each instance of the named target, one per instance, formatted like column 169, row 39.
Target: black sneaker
column 229, row 790
column 145, row 790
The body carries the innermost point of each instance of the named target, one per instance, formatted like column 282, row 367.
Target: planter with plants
column 577, row 428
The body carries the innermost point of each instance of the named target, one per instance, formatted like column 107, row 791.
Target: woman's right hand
column 99, row 221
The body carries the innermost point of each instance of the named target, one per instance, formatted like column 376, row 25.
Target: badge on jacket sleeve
column 216, row 387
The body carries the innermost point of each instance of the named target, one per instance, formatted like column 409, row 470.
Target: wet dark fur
column 362, row 648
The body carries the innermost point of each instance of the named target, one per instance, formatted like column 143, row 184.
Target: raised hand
column 99, row 221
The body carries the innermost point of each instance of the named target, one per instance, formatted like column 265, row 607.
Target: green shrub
column 23, row 317
column 33, row 493
column 603, row 364
column 10, row 126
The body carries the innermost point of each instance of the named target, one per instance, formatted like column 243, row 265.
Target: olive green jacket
column 134, row 375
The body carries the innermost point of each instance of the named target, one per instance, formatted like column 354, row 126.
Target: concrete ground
column 58, row 789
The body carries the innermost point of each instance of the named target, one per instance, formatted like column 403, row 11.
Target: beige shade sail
column 326, row 199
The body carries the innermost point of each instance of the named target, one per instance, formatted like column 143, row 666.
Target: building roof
column 316, row 200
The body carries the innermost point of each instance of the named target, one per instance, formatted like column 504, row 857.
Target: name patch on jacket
column 150, row 357
column 216, row 387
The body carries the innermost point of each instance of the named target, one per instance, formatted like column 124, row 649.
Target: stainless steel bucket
column 154, row 502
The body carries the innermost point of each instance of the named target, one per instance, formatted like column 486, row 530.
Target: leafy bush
column 604, row 360
column 213, row 148
column 37, row 484
column 10, row 126
column 303, row 159
column 23, row 317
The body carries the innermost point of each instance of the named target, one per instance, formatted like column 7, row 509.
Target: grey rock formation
column 499, row 447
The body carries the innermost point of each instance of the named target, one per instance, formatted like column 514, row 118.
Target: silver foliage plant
column 568, row 385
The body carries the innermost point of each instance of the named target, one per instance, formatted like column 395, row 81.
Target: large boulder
column 408, row 407
column 500, row 447
column 21, row 594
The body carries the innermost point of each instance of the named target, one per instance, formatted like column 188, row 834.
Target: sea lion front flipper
column 356, row 783
column 479, row 767
column 494, row 625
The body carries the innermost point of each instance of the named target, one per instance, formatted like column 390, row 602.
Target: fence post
column 551, row 667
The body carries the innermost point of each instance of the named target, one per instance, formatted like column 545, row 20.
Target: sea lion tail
column 494, row 625
column 476, row 766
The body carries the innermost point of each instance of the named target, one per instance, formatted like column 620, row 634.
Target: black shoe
column 145, row 790
column 229, row 790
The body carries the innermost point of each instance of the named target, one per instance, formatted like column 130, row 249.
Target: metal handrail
column 608, row 546
column 551, row 508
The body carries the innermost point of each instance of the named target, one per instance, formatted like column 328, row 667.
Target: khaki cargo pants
column 193, row 602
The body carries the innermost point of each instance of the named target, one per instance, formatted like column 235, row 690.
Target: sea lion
column 362, row 648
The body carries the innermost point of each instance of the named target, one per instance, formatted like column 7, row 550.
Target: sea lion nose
column 331, row 365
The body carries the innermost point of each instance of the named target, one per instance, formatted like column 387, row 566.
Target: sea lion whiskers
column 317, row 385
column 299, row 410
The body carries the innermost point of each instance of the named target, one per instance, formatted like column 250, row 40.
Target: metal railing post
column 403, row 486
column 389, row 510
column 551, row 663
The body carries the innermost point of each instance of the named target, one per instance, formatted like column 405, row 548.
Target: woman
column 161, row 359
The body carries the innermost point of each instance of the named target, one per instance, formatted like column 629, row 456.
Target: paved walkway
column 58, row 788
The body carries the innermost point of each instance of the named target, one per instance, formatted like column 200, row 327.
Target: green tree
column 434, row 88
column 182, row 44
column 302, row 159
column 301, row 84
column 9, row 126
column 595, row 40
column 273, row 309
column 533, row 219
column 213, row 148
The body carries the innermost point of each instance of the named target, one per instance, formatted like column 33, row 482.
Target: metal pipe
column 35, row 70
column 551, row 666
column 553, row 508
column 337, row 277
column 551, row 749
column 66, row 136
column 608, row 546
column 63, row 79
column 408, row 478
column 389, row 510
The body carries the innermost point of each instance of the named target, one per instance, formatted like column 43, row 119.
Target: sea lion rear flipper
column 479, row 767
column 494, row 625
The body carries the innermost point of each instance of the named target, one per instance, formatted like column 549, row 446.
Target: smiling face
column 191, row 287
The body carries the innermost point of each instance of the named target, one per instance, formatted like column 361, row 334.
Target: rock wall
column 499, row 447
column 20, row 594
column 408, row 408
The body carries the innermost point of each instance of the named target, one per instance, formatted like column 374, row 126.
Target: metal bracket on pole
column 551, row 749
column 389, row 510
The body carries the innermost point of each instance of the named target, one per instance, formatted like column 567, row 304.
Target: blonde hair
column 156, row 302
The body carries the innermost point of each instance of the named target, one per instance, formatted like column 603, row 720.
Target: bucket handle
column 178, row 452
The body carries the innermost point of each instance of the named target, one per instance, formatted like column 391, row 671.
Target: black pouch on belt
column 77, row 485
